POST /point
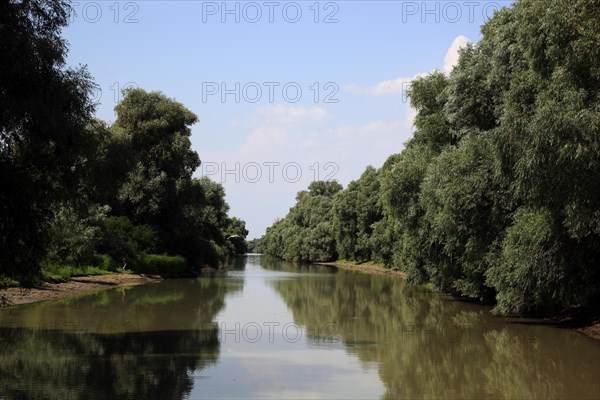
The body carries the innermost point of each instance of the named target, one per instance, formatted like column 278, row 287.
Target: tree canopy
column 497, row 194
column 73, row 188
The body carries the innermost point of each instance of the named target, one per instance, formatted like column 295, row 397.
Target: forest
column 80, row 196
column 496, row 196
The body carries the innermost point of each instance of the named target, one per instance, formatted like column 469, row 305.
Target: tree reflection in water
column 427, row 345
column 144, row 345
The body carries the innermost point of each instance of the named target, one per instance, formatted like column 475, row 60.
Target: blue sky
column 304, row 99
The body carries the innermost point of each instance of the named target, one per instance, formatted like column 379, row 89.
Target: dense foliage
column 72, row 187
column 307, row 231
column 497, row 194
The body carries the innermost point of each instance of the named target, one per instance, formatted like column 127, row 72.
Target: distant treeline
column 77, row 192
column 497, row 194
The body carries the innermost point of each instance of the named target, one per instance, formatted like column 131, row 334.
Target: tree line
column 76, row 191
column 497, row 194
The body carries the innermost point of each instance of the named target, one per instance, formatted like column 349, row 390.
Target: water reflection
column 132, row 343
column 426, row 345
column 226, row 335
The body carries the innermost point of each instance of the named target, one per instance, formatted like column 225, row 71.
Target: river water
column 268, row 329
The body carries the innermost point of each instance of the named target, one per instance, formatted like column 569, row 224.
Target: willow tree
column 44, row 109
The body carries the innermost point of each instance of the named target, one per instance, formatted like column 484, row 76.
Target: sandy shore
column 581, row 322
column 78, row 285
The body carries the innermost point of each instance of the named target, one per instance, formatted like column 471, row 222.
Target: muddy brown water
column 267, row 329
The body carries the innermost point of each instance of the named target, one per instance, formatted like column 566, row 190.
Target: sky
column 286, row 92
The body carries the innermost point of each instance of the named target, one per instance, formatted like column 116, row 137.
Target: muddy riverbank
column 74, row 286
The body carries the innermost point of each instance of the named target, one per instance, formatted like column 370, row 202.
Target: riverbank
column 367, row 268
column 576, row 319
column 73, row 286
column 579, row 319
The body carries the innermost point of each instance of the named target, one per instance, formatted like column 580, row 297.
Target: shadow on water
column 142, row 342
column 426, row 346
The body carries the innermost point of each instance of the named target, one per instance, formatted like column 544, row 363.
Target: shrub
column 106, row 262
column 121, row 238
column 160, row 264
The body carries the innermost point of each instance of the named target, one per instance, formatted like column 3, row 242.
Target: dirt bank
column 83, row 284
column 576, row 319
column 369, row 268
column 580, row 319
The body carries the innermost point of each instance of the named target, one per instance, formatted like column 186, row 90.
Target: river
column 264, row 329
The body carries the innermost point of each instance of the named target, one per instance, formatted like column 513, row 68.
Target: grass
column 64, row 272
column 102, row 264
column 160, row 264
column 7, row 281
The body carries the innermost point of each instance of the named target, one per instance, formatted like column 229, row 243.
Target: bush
column 160, row 264
column 121, row 238
column 106, row 262
column 73, row 237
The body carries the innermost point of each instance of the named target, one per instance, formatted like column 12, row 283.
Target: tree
column 497, row 194
column 158, row 129
column 44, row 108
column 306, row 233
column 355, row 210
column 236, row 233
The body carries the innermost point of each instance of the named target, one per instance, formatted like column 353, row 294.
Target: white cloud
column 402, row 84
column 398, row 85
column 285, row 114
column 451, row 58
column 315, row 142
column 319, row 148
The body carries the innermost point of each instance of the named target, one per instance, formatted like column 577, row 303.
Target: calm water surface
column 267, row 329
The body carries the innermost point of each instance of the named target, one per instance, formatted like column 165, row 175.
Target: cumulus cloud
column 451, row 58
column 284, row 145
column 402, row 84
column 288, row 114
column 398, row 85
column 313, row 143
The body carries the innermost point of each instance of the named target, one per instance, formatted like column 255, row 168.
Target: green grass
column 160, row 264
column 7, row 281
column 63, row 272
column 106, row 262
column 101, row 264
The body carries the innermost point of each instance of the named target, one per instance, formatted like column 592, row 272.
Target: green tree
column 306, row 233
column 236, row 233
column 158, row 129
column 44, row 109
column 355, row 210
column 497, row 194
